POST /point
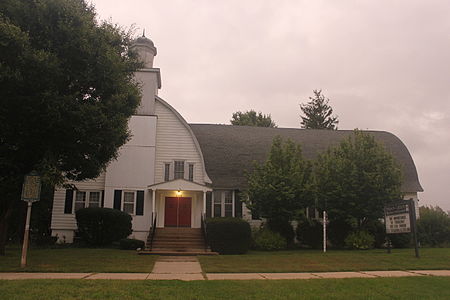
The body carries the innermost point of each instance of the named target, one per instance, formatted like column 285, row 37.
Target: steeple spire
column 143, row 32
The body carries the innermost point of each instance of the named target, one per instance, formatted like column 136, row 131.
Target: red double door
column 177, row 212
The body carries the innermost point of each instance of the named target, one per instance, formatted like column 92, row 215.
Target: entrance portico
column 178, row 203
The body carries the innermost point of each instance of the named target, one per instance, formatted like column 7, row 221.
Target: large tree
column 317, row 113
column 355, row 178
column 252, row 118
column 66, row 90
column 281, row 186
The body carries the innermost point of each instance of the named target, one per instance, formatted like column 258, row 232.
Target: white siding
column 174, row 142
column 60, row 220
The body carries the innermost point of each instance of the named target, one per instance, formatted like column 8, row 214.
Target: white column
column 204, row 203
column 153, row 202
column 233, row 195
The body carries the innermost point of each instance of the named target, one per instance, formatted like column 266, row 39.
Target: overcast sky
column 384, row 65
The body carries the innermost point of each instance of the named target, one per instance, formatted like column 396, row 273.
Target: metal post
column 324, row 231
column 412, row 217
column 23, row 262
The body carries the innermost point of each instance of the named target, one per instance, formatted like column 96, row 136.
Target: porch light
column 178, row 193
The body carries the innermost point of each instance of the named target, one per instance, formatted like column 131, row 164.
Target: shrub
column 267, row 240
column 337, row 231
column 310, row 233
column 283, row 227
column 433, row 227
column 101, row 226
column 131, row 244
column 401, row 240
column 228, row 235
column 378, row 230
column 360, row 240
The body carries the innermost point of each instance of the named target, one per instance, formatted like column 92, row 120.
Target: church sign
column 397, row 217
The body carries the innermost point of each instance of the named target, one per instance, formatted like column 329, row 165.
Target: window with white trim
column 129, row 200
column 223, row 203
column 80, row 200
column 191, row 172
column 94, row 199
column 179, row 169
column 86, row 199
column 166, row 172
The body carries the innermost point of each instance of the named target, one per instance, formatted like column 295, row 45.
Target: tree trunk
column 4, row 221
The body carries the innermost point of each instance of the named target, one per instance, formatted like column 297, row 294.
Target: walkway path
column 171, row 269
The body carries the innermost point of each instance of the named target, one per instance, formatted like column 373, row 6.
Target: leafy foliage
column 317, row 113
column 281, row 186
column 67, row 90
column 131, row 244
column 361, row 240
column 433, row 227
column 229, row 235
column 355, row 179
column 101, row 226
column 309, row 233
column 251, row 118
column 267, row 240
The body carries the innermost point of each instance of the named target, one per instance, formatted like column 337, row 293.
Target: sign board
column 31, row 189
column 397, row 217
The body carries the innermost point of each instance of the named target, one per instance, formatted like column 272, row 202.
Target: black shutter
column 117, row 199
column 68, row 203
column 103, row 199
column 208, row 204
column 237, row 204
column 140, row 203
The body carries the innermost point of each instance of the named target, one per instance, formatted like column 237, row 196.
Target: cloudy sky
column 384, row 65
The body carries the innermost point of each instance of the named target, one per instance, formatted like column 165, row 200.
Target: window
column 179, row 169
column 166, row 172
column 191, row 172
column 94, row 199
column 87, row 199
column 128, row 202
column 228, row 203
column 80, row 200
column 217, row 195
column 223, row 204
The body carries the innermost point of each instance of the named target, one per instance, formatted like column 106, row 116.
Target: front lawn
column 334, row 260
column 357, row 288
column 77, row 260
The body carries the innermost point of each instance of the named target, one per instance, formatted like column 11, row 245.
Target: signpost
column 400, row 217
column 325, row 231
column 31, row 191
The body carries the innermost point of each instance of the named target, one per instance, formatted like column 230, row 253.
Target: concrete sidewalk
column 181, row 274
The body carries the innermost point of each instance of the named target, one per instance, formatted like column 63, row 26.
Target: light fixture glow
column 178, row 193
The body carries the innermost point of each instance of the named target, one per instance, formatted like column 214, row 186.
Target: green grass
column 376, row 288
column 316, row 261
column 77, row 260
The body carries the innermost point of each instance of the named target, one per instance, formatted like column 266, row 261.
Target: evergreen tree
column 251, row 118
column 317, row 113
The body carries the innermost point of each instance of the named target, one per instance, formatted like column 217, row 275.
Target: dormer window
column 179, row 169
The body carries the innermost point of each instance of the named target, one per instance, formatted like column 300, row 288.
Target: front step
column 177, row 241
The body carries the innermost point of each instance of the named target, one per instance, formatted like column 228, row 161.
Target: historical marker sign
column 397, row 217
column 31, row 189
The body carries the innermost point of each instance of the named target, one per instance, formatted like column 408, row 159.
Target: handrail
column 153, row 230
column 203, row 225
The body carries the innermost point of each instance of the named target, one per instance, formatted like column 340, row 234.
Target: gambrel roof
column 230, row 150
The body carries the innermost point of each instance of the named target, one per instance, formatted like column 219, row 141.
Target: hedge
column 101, row 226
column 228, row 235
